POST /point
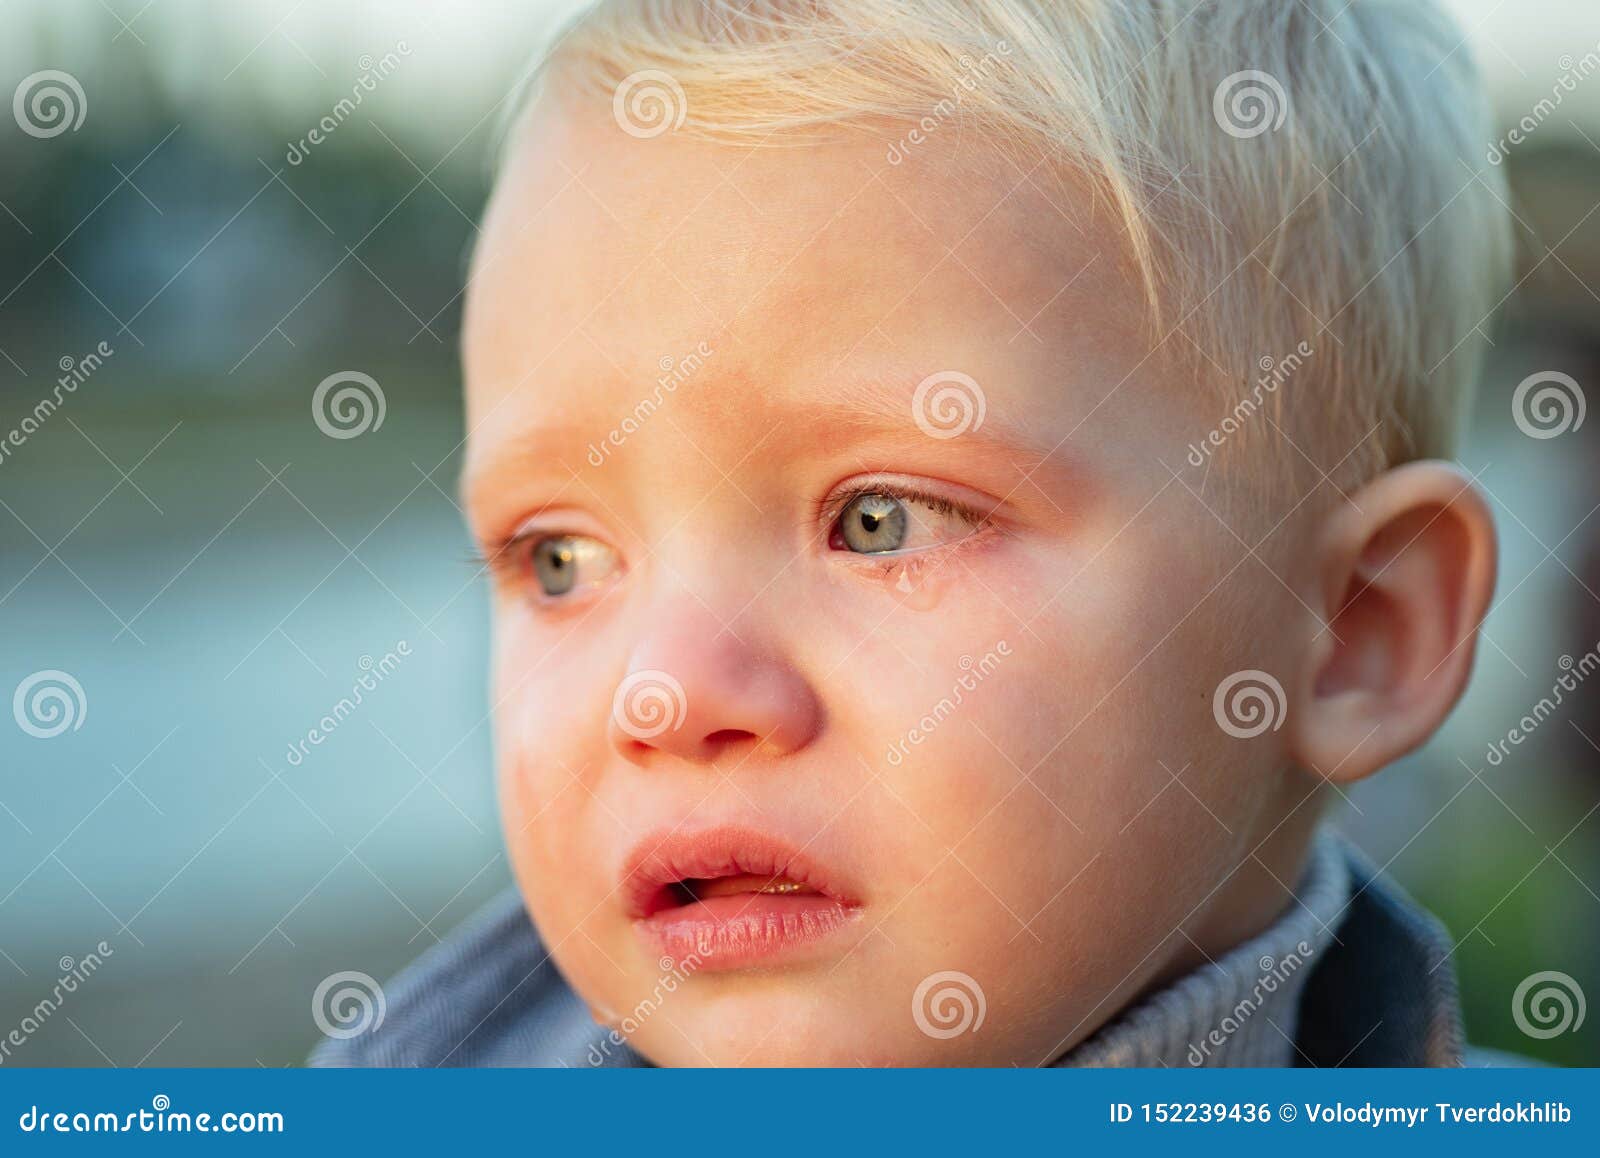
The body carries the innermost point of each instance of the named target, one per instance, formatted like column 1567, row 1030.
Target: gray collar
column 1243, row 1008
column 1353, row 973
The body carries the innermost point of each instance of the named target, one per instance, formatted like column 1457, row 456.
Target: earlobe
column 1406, row 568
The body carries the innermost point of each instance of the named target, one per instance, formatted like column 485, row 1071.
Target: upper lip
column 660, row 861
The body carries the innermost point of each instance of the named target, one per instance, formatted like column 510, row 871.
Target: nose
column 697, row 691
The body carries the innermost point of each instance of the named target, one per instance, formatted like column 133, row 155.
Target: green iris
column 874, row 524
column 555, row 562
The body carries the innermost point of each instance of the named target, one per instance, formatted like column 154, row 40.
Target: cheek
column 549, row 715
column 1044, row 698
column 549, row 841
column 551, row 691
column 1040, row 805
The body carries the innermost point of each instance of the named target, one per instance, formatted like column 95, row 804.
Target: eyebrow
column 535, row 447
column 884, row 409
column 952, row 408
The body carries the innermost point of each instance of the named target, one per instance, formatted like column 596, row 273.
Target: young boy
column 963, row 483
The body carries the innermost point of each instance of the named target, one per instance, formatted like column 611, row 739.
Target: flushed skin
column 1080, row 829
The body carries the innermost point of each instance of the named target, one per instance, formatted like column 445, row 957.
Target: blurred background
column 182, row 269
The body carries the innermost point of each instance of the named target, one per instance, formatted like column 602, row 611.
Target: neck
column 1238, row 1007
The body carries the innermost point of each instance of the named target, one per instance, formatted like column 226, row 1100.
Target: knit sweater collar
column 1358, row 975
column 1242, row 1008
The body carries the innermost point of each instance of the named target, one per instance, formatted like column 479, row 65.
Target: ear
column 1406, row 567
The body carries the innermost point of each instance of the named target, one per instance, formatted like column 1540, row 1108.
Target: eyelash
column 830, row 508
column 504, row 559
column 501, row 558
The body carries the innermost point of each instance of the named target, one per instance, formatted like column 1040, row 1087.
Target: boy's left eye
column 882, row 523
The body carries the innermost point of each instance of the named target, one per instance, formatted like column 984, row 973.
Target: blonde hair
column 1286, row 174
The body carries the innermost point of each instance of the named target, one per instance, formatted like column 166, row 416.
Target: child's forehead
column 606, row 258
column 632, row 225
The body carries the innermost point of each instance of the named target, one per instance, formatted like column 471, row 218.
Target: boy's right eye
column 563, row 564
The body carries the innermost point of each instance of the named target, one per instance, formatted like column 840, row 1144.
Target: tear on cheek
column 919, row 582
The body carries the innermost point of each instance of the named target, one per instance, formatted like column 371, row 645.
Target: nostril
column 728, row 736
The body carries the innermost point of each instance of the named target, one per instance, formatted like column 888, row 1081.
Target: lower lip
column 744, row 929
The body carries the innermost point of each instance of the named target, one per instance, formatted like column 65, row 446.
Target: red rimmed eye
column 884, row 522
column 871, row 524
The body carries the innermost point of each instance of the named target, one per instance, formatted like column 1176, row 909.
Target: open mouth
column 687, row 892
column 730, row 897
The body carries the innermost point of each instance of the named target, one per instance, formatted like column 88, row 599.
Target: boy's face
column 899, row 686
